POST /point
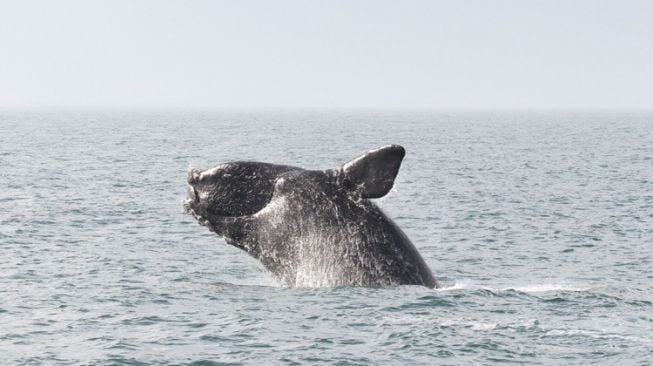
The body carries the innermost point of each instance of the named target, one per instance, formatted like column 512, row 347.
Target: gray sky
column 378, row 54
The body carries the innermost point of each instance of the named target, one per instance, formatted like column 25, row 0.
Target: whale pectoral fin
column 373, row 173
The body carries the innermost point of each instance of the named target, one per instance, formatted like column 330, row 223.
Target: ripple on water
column 536, row 224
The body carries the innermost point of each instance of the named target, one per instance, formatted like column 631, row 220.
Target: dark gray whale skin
column 311, row 228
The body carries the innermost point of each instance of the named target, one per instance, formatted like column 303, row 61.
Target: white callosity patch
column 211, row 172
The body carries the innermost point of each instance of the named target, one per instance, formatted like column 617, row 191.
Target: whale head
column 232, row 191
column 245, row 187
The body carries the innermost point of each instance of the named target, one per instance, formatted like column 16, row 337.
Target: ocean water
column 538, row 226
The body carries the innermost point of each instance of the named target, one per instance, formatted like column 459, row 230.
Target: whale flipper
column 374, row 172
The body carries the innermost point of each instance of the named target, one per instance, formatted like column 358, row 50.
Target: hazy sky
column 387, row 54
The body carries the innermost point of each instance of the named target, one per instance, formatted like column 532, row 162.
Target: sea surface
column 537, row 224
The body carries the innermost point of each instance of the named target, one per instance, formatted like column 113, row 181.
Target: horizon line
column 145, row 108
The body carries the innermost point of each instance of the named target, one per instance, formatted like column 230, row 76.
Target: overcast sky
column 371, row 54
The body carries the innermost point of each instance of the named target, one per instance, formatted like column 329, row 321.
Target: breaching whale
column 311, row 228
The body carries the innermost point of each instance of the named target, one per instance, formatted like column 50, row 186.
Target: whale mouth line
column 192, row 206
column 190, row 209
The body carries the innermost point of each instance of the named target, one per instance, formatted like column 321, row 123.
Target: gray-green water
column 539, row 227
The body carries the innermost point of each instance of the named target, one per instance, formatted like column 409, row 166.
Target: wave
column 526, row 288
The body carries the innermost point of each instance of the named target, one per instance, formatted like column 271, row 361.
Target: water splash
column 471, row 285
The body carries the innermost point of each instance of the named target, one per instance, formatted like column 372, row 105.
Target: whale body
column 311, row 228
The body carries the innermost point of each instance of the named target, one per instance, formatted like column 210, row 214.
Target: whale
column 311, row 228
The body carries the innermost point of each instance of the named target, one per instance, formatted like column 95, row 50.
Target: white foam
column 463, row 285
column 534, row 288
column 548, row 288
column 483, row 326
